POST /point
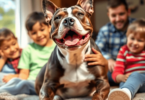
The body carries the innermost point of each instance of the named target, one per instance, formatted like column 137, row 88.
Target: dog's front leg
column 102, row 89
column 48, row 90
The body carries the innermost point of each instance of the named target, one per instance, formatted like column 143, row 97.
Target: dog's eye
column 80, row 14
column 57, row 17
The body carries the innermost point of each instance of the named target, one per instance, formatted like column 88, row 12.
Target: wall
column 36, row 5
column 101, row 12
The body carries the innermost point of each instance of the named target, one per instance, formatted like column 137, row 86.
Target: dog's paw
column 45, row 96
column 57, row 97
column 97, row 98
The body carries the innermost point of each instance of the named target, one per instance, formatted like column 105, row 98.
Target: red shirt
column 15, row 62
column 128, row 62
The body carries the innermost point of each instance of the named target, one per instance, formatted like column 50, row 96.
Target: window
column 7, row 14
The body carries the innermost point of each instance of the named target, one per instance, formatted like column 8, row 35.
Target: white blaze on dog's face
column 71, row 32
column 70, row 27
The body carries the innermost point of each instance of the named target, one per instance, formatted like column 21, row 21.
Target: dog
column 66, row 75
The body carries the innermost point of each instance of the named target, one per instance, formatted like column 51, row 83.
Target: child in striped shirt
column 129, row 70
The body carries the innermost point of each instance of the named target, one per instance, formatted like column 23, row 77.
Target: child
column 33, row 57
column 36, row 55
column 10, row 55
column 129, row 70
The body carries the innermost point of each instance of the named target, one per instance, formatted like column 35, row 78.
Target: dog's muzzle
column 71, row 38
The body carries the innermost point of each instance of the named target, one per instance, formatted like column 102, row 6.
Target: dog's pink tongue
column 71, row 40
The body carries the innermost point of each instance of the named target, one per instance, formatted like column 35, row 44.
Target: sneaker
column 118, row 94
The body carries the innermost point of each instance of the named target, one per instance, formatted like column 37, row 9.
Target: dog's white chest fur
column 76, row 76
column 76, row 80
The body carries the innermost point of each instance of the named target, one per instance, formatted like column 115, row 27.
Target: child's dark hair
column 116, row 3
column 137, row 27
column 33, row 18
column 5, row 34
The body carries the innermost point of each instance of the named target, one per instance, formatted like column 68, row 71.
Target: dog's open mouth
column 72, row 38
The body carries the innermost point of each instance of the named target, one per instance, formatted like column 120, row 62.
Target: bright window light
column 7, row 14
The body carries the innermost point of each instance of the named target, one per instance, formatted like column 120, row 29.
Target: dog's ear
column 87, row 5
column 48, row 8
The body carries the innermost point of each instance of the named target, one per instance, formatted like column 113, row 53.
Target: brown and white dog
column 66, row 75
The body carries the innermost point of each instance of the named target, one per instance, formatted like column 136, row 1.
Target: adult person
column 113, row 35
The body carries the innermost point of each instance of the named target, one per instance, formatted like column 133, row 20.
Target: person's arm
column 96, row 59
column 24, row 74
column 118, row 73
column 2, row 60
column 8, row 77
column 24, row 63
column 102, row 43
column 111, row 64
column 122, row 78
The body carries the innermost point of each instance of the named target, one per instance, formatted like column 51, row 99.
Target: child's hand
column 121, row 78
column 2, row 60
column 126, row 76
column 2, row 55
column 96, row 59
column 6, row 78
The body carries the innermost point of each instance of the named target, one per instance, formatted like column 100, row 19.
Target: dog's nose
column 68, row 22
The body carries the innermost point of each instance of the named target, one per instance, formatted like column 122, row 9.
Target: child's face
column 10, row 48
column 135, row 43
column 40, row 34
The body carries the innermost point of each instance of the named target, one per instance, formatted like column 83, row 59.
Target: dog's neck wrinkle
column 75, row 57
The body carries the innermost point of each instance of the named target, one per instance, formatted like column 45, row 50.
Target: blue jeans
column 111, row 81
column 17, row 86
column 8, row 68
column 135, row 83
